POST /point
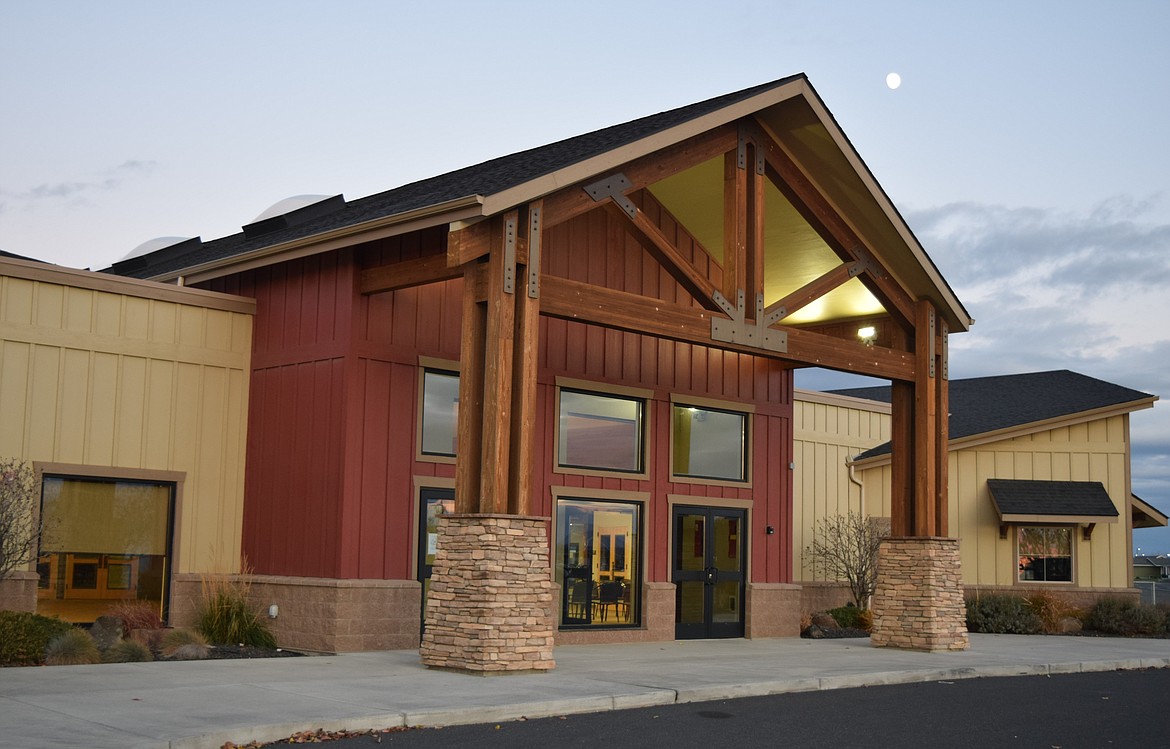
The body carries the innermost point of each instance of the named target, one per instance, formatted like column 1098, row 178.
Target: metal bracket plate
column 756, row 334
column 613, row 187
column 509, row 256
column 534, row 252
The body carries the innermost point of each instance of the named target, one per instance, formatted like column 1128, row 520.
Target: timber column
column 918, row 603
column 490, row 605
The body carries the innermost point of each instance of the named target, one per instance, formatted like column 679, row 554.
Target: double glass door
column 709, row 571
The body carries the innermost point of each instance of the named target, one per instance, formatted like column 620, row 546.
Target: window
column 602, row 432
column 106, row 541
column 597, row 562
column 709, row 443
column 1045, row 554
column 440, row 413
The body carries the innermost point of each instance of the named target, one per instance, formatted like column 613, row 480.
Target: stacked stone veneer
column 918, row 604
column 490, row 604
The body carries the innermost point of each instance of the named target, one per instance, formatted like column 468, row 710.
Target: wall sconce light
column 868, row 335
column 273, row 611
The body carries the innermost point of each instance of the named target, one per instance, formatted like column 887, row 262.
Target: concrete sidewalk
column 205, row 703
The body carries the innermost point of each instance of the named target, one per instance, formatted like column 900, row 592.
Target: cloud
column 1058, row 290
column 108, row 179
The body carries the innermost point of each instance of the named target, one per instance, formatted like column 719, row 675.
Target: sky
column 1026, row 147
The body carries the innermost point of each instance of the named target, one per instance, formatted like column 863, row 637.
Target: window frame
column 639, row 501
column 427, row 365
column 746, row 410
column 643, row 397
column 1072, row 553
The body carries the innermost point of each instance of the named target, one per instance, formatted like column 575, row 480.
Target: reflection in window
column 597, row 562
column 709, row 443
column 440, row 413
column 600, row 431
column 106, row 542
column 1045, row 554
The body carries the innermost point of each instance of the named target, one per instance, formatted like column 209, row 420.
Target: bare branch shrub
column 845, row 547
column 20, row 529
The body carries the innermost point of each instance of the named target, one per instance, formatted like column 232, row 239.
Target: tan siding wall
column 1091, row 451
column 825, row 436
column 111, row 378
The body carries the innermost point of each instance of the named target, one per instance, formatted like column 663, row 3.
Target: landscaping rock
column 106, row 631
column 1069, row 625
column 815, row 632
column 825, row 621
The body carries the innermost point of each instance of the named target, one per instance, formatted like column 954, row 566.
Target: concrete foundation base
column 490, row 604
column 918, row 604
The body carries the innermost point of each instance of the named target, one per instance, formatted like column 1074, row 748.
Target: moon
column 893, row 80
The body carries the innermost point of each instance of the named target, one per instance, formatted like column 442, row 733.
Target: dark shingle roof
column 988, row 404
column 487, row 178
column 1063, row 498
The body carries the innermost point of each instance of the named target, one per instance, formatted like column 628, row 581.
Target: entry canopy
column 1028, row 501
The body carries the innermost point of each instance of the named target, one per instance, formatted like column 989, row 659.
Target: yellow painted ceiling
column 794, row 254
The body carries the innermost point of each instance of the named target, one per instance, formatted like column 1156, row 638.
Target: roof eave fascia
column 843, row 401
column 1149, row 510
column 615, row 158
column 983, row 438
column 1056, row 518
column 459, row 209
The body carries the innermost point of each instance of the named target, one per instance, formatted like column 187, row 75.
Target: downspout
column 861, row 507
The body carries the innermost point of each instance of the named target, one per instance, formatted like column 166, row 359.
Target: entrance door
column 709, row 571
column 432, row 503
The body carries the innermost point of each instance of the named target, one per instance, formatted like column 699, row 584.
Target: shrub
column 136, row 615
column 227, row 617
column 1002, row 614
column 176, row 639
column 128, row 651
column 851, row 617
column 72, row 648
column 24, row 636
column 1120, row 616
column 1050, row 609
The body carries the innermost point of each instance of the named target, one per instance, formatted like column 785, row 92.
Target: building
column 1039, row 472
column 580, row 358
column 129, row 399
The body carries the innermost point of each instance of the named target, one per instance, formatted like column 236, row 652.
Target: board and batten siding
column 1095, row 450
column 828, row 431
column 116, row 374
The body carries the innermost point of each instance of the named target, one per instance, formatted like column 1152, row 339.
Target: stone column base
column 918, row 604
column 773, row 610
column 18, row 591
column 490, row 604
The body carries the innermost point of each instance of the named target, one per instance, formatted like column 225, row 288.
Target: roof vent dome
column 152, row 245
column 288, row 205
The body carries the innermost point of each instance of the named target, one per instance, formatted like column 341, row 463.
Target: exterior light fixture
column 867, row 334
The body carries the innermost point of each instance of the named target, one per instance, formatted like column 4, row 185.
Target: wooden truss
column 505, row 292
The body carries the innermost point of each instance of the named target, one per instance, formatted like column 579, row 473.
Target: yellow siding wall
column 827, row 431
column 96, row 372
column 1093, row 451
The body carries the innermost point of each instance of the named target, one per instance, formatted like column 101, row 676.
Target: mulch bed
column 226, row 652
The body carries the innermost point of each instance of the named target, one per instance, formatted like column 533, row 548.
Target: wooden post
column 735, row 226
column 470, row 425
column 524, row 362
column 497, row 373
column 925, row 420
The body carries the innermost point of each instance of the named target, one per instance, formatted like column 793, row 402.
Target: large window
column 599, row 431
column 597, row 553
column 106, row 542
column 1045, row 554
column 709, row 443
column 440, row 413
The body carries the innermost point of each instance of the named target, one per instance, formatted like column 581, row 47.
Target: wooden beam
column 811, row 291
column 574, row 300
column 756, row 218
column 403, row 275
column 525, row 355
column 468, row 243
column 735, row 229
column 499, row 333
column 823, row 217
column 573, row 201
column 926, row 446
column 663, row 250
column 468, row 465
column 942, row 429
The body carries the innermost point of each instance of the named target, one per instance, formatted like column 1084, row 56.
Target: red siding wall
column 331, row 469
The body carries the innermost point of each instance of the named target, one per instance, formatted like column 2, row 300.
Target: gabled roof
column 986, row 405
column 1018, row 500
column 789, row 107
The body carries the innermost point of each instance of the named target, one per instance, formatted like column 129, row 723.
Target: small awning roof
column 1145, row 515
column 1021, row 501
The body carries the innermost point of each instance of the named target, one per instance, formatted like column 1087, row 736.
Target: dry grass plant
column 187, row 640
column 136, row 615
column 127, row 651
column 72, row 648
column 226, row 615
